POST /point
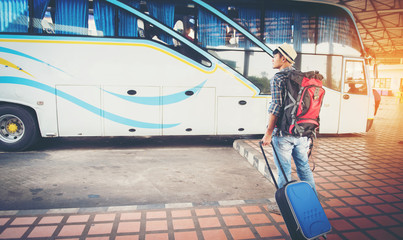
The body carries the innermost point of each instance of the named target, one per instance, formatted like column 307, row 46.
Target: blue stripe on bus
column 168, row 99
column 14, row 52
column 80, row 103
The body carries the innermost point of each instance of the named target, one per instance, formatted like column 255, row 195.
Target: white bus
column 172, row 67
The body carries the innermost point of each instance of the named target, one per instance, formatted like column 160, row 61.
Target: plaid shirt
column 277, row 85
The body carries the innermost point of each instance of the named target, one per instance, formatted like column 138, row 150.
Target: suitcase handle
column 268, row 166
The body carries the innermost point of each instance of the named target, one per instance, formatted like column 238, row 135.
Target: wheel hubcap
column 11, row 128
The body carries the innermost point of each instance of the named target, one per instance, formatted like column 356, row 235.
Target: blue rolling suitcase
column 300, row 207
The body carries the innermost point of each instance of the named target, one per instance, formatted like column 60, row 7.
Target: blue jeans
column 297, row 148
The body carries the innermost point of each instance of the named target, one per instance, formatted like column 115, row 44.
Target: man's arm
column 269, row 131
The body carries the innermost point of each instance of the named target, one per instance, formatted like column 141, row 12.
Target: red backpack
column 303, row 100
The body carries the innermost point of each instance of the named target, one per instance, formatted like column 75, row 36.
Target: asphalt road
column 100, row 172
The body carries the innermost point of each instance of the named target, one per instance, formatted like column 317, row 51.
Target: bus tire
column 18, row 128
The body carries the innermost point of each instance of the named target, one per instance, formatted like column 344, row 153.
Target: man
column 286, row 145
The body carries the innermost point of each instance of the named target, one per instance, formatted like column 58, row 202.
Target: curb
column 255, row 158
column 130, row 208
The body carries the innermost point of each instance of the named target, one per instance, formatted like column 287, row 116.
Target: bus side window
column 355, row 82
column 14, row 17
column 233, row 48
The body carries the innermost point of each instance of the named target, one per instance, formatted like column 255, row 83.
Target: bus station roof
column 380, row 23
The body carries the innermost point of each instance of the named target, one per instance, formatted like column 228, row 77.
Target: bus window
column 278, row 27
column 234, row 48
column 14, row 16
column 337, row 35
column 355, row 82
column 163, row 12
column 71, row 17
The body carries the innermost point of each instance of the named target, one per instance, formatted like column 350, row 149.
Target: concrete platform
column 359, row 178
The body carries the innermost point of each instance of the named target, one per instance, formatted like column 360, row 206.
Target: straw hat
column 287, row 51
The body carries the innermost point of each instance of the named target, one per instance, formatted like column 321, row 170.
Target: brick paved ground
column 359, row 178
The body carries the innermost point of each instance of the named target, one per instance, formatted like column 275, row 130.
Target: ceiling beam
column 385, row 28
column 399, row 10
column 383, row 24
column 385, row 11
column 380, row 46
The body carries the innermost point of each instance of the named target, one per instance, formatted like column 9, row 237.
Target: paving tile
column 268, row 231
column 209, row 222
column 381, row 234
column 277, row 218
column 398, row 231
column 71, row 230
column 335, row 203
column 216, row 234
column 363, row 222
column 377, row 183
column 330, row 213
column 389, row 198
column 398, row 217
column 155, row 215
column 367, row 210
column 205, row 212
column 130, row 216
column 104, row 217
column 185, row 236
column 251, row 209
column 373, row 190
column 127, row 237
column 98, row 238
column 258, row 218
column 156, row 225
column 241, row 233
column 347, row 212
column 340, row 193
column 350, row 178
column 128, row 227
column 23, row 221
column 384, row 220
column 183, row 224
column 372, row 199
column 3, row 221
column 51, row 220
column 228, row 210
column 356, row 235
column 345, row 185
column 13, row 233
column 353, row 201
column 100, row 228
column 181, row 213
column 341, row 225
column 78, row 218
column 329, row 186
column 335, row 179
column 157, row 236
column 234, row 220
column 357, row 191
column 42, row 231
column 284, row 228
column 387, row 208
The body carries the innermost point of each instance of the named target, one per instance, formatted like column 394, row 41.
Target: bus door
column 354, row 97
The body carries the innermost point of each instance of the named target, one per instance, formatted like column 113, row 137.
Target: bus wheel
column 18, row 128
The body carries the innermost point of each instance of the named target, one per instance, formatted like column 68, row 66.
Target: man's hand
column 266, row 140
